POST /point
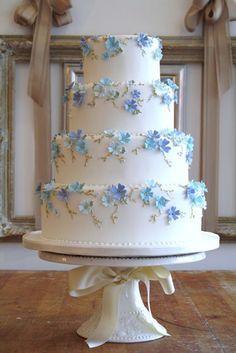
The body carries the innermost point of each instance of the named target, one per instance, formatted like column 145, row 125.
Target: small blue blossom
column 75, row 135
column 63, row 195
column 151, row 183
column 119, row 192
column 113, row 45
column 109, row 133
column 157, row 54
column 167, row 98
column 171, row 84
column 131, row 106
column 116, row 149
column 86, row 207
column 49, row 186
column 108, row 198
column 135, row 94
column 124, row 137
column 160, row 202
column 143, row 40
column 81, row 146
column 173, row 214
column 55, row 150
column 146, row 195
column 75, row 187
column 78, row 98
column 163, row 145
column 86, row 48
column 196, row 193
column 152, row 140
column 105, row 55
column 189, row 158
column 99, row 90
column 106, row 81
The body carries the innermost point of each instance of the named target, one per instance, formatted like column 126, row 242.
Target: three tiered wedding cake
column 121, row 184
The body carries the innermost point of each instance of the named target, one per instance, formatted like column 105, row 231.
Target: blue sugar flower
column 131, row 106
column 159, row 87
column 112, row 93
column 112, row 44
column 196, row 193
column 124, row 137
column 105, row 55
column 152, row 140
column 163, row 145
column 109, row 133
column 55, row 150
column 189, row 158
column 190, row 143
column 63, row 195
column 151, row 183
column 49, row 186
column 157, row 54
column 146, row 195
column 75, row 187
column 160, row 202
column 81, row 146
column 108, row 199
column 135, row 94
column 171, row 84
column 86, row 207
column 86, row 48
column 99, row 90
column 116, row 149
column 143, row 40
column 167, row 98
column 78, row 98
column 119, row 192
column 106, row 81
column 75, row 135
column 173, row 214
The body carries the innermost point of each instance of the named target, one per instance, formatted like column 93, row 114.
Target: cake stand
column 122, row 316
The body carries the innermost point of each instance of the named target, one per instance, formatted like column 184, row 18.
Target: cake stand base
column 135, row 323
column 122, row 316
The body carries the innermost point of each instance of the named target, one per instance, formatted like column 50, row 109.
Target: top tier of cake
column 140, row 59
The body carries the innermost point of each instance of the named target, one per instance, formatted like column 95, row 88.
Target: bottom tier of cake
column 137, row 218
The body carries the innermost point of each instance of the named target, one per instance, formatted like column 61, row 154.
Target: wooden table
column 37, row 315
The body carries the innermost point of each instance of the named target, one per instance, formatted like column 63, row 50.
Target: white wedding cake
column 121, row 185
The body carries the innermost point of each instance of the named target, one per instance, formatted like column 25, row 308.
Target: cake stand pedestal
column 122, row 317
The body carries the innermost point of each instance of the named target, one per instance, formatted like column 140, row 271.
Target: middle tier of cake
column 130, row 105
column 111, row 156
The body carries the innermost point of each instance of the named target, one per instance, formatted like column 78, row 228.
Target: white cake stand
column 134, row 321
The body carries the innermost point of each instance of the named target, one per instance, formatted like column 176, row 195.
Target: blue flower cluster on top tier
column 114, row 45
column 152, row 194
column 167, row 90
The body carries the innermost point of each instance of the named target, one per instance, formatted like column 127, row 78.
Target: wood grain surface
column 37, row 315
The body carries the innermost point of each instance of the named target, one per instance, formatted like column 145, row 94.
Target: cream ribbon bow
column 88, row 279
column 215, row 17
column 41, row 13
column 218, row 75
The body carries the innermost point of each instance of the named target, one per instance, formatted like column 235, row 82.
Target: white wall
column 162, row 17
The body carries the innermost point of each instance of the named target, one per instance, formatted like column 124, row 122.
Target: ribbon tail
column 40, row 54
column 109, row 317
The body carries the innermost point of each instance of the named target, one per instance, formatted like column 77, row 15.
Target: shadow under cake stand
column 135, row 322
